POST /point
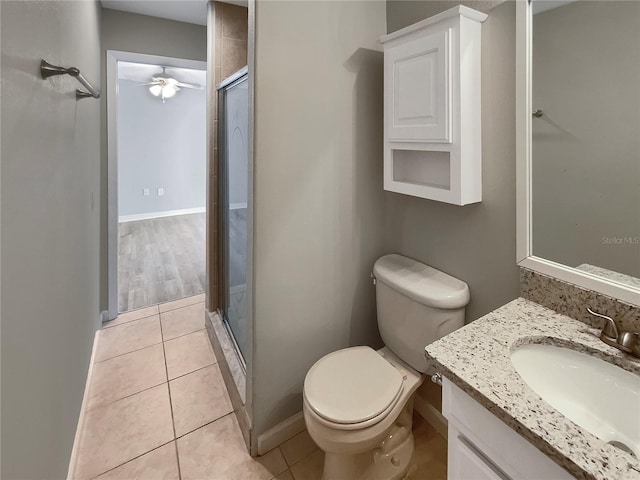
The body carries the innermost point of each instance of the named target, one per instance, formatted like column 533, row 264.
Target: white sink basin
column 600, row 397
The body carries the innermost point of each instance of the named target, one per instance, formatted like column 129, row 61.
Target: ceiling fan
column 165, row 86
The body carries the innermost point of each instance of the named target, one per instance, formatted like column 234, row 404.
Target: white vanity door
column 418, row 74
column 466, row 463
column 482, row 447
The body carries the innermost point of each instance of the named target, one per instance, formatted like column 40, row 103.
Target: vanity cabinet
column 432, row 122
column 481, row 447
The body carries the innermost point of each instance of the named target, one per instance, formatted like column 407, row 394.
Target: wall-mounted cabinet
column 433, row 141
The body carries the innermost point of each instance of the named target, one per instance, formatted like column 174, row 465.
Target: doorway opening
column 157, row 179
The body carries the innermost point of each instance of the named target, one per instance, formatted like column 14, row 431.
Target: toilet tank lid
column 422, row 283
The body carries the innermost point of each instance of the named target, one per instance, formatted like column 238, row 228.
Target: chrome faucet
column 627, row 342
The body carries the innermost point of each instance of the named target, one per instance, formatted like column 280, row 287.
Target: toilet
column 358, row 402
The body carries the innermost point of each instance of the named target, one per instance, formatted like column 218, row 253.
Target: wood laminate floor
column 160, row 259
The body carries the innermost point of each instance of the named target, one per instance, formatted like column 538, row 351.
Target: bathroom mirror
column 578, row 128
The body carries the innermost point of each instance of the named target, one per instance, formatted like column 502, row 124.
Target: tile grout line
column 126, row 396
column 290, row 466
column 184, row 306
column 153, row 344
column 205, row 425
column 104, row 324
column 184, row 334
column 175, row 444
column 173, row 421
column 126, row 353
column 192, row 371
column 134, row 458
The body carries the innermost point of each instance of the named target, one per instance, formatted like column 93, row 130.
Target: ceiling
column 143, row 72
column 190, row 11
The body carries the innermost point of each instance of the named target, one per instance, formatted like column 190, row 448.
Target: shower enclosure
column 234, row 181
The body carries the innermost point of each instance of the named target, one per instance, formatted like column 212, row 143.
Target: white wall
column 50, row 231
column 586, row 146
column 160, row 145
column 318, row 190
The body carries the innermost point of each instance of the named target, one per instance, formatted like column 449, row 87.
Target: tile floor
column 157, row 409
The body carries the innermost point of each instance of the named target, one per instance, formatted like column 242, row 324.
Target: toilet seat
column 352, row 388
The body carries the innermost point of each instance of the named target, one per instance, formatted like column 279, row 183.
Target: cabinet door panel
column 469, row 464
column 418, row 73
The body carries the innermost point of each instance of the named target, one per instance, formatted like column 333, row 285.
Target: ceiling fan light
column 168, row 91
column 155, row 90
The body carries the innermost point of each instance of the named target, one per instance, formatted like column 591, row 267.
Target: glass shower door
column 234, row 109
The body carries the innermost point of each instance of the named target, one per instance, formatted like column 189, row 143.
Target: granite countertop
column 477, row 359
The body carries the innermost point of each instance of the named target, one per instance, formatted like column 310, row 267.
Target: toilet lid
column 352, row 385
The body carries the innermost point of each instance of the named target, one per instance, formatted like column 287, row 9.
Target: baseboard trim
column 280, row 433
column 71, row 472
column 293, row 425
column 431, row 414
column 167, row 213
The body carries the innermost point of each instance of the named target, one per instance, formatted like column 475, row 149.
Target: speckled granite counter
column 476, row 358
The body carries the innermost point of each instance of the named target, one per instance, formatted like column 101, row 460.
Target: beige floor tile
column 188, row 353
column 183, row 302
column 218, row 452
column 182, row 321
column 286, row 475
column 125, row 375
column 121, row 431
column 133, row 315
column 431, row 451
column 309, row 468
column 198, row 398
column 159, row 464
column 128, row 337
column 273, row 461
column 298, row 447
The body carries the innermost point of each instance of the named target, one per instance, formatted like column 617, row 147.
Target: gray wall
column 50, row 231
column 130, row 32
column 318, row 191
column 475, row 243
column 586, row 147
column 401, row 13
column 160, row 145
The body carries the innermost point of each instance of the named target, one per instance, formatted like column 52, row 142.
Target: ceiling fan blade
column 143, row 84
column 189, row 85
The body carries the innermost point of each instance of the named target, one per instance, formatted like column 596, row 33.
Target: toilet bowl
column 358, row 402
column 370, row 436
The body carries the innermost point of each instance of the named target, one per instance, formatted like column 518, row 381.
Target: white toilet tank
column 417, row 305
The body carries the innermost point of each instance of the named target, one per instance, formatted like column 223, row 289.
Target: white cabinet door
column 466, row 463
column 417, row 75
column 482, row 447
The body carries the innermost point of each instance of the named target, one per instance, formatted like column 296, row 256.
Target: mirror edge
column 524, row 251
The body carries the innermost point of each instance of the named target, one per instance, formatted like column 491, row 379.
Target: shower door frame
column 238, row 77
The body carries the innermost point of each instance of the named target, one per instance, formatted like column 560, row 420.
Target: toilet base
column 391, row 460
